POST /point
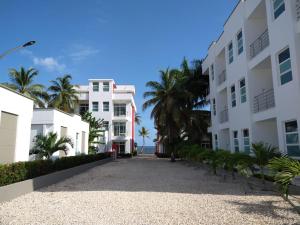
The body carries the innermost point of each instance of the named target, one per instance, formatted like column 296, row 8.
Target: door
column 83, row 142
column 8, row 133
column 63, row 133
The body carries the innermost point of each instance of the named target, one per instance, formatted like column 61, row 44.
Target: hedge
column 20, row 171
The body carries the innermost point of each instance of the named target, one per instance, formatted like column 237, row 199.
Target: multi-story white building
column 115, row 104
column 254, row 69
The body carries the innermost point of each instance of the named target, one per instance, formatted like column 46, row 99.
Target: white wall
column 14, row 103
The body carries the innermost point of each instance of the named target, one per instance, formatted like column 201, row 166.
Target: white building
column 254, row 69
column 115, row 104
column 65, row 125
column 15, row 121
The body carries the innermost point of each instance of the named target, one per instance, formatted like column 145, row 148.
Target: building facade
column 254, row 69
column 15, row 121
column 115, row 105
column 65, row 125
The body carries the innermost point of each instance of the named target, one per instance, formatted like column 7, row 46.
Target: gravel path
column 146, row 191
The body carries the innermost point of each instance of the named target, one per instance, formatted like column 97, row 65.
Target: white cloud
column 80, row 52
column 49, row 63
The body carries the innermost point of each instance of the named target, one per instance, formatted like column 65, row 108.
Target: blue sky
column 129, row 41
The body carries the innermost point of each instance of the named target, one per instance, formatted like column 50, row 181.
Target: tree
column 63, row 95
column 144, row 133
column 96, row 130
column 46, row 146
column 22, row 81
column 137, row 119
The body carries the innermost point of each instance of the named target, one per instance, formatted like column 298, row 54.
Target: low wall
column 12, row 191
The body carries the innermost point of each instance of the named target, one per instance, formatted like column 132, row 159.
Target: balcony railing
column 264, row 101
column 298, row 10
column 224, row 115
column 222, row 77
column 259, row 44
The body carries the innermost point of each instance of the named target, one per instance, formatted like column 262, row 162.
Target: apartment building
column 115, row 104
column 254, row 69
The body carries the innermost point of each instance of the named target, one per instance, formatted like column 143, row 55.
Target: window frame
column 233, row 96
column 216, row 142
column 289, row 133
column 290, row 70
column 212, row 69
column 214, row 107
column 230, row 53
column 96, row 84
column 93, row 105
column 106, row 125
column 118, row 109
column 238, row 42
column 105, row 86
column 104, row 109
column 236, row 146
column 244, row 140
column 118, row 125
column 244, row 87
column 274, row 10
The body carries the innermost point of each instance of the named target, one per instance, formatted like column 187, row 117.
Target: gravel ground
column 147, row 191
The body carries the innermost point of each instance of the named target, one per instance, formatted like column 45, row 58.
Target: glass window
column 285, row 68
column 212, row 72
column 236, row 141
column 105, row 106
column 95, row 86
column 95, row 106
column 240, row 46
column 105, row 86
column 214, row 107
column 119, row 129
column 119, row 109
column 243, row 90
column 83, row 107
column 230, row 53
column 292, row 138
column 233, row 96
column 246, row 140
column 279, row 8
column 106, row 125
column 216, row 142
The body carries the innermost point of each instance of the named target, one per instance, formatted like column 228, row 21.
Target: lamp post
column 29, row 43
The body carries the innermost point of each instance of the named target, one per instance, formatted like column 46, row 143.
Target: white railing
column 264, row 101
column 259, row 44
column 224, row 115
column 222, row 77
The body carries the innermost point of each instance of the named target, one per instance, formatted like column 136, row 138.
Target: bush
column 125, row 155
column 16, row 172
column 134, row 153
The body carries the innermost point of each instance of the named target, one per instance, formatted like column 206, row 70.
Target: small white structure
column 115, row 104
column 64, row 124
column 15, row 120
column 254, row 69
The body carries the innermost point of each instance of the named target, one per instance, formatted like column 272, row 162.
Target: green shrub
column 16, row 172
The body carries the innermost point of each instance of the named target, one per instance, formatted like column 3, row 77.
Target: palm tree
column 143, row 132
column 22, row 82
column 63, row 95
column 46, row 146
column 137, row 119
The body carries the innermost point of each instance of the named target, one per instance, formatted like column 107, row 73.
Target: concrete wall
column 21, row 106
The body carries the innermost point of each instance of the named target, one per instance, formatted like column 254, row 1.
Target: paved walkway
column 146, row 190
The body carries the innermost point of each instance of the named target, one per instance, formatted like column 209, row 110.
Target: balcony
column 224, row 115
column 259, row 44
column 222, row 77
column 264, row 101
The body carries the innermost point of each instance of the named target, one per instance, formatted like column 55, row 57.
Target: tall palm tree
column 22, row 82
column 63, row 95
column 144, row 133
column 46, row 146
column 137, row 119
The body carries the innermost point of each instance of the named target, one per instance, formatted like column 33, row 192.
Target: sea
column 147, row 149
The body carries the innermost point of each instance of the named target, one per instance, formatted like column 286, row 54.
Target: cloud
column 49, row 63
column 81, row 52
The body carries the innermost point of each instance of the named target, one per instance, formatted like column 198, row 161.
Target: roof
column 11, row 90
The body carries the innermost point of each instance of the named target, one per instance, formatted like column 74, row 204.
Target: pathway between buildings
column 146, row 190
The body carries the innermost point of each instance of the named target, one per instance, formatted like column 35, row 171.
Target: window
column 119, row 129
column 279, row 8
column 243, row 90
column 240, row 46
column 233, row 96
column 236, row 141
column 285, row 69
column 105, row 106
column 95, row 86
column 246, row 140
column 292, row 138
column 105, row 86
column 84, row 107
column 216, row 142
column 119, row 109
column 119, row 147
column 214, row 107
column 212, row 72
column 230, row 53
column 95, row 106
column 106, row 125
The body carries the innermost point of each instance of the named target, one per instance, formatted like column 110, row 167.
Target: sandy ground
column 150, row 191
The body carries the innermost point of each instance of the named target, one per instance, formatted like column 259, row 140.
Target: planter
column 12, row 191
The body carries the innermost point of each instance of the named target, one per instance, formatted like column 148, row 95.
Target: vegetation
column 144, row 133
column 63, row 94
column 16, row 172
column 175, row 101
column 22, row 81
column 46, row 146
column 137, row 119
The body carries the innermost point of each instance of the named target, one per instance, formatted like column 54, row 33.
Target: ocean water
column 147, row 149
